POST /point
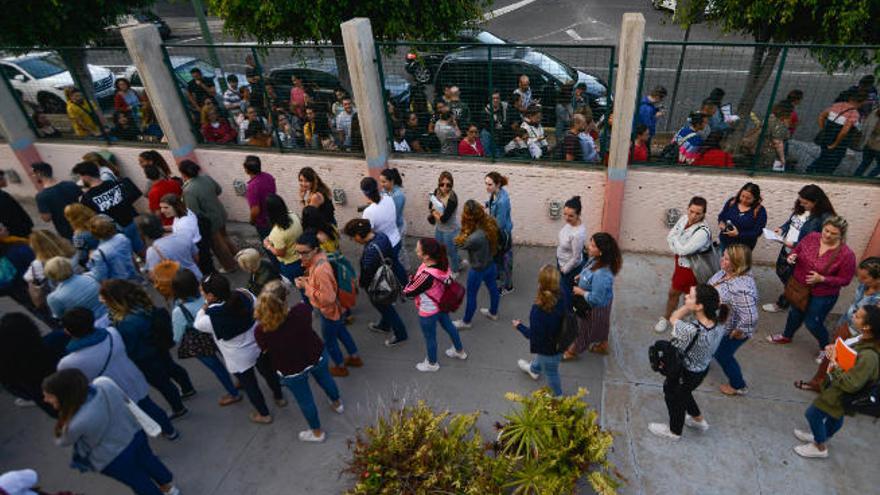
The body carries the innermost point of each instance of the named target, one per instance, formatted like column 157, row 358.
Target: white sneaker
column 451, row 352
column 809, row 450
column 804, row 436
column 527, row 367
column 693, row 423
column 461, row 325
column 771, row 308
column 309, row 436
column 485, row 312
column 662, row 325
column 662, row 430
column 173, row 491
column 19, row 402
column 820, row 357
column 425, row 366
column 338, row 409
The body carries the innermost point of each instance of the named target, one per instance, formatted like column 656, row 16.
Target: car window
column 551, row 66
column 42, row 67
column 489, row 38
column 9, row 72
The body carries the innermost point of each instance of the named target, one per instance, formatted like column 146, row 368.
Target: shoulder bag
column 194, row 343
column 707, row 262
column 798, row 294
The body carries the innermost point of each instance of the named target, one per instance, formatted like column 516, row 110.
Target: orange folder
column 845, row 355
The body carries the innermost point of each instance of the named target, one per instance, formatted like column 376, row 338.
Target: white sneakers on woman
column 485, row 312
column 451, row 352
column 309, row 436
column 771, row 308
column 662, row 430
column 527, row 368
column 662, row 325
column 689, row 421
column 426, row 367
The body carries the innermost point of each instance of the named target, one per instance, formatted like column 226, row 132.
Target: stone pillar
column 18, row 131
column 873, row 248
column 629, row 60
column 360, row 52
column 145, row 46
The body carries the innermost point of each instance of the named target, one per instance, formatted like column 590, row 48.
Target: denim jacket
column 599, row 284
column 499, row 208
column 113, row 259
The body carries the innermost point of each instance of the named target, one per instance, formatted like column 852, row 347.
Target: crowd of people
column 123, row 291
column 705, row 139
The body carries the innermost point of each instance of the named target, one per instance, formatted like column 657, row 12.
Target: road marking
column 506, row 10
column 190, row 40
column 574, row 34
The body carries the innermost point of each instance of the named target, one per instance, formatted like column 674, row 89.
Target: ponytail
column 723, row 313
column 708, row 297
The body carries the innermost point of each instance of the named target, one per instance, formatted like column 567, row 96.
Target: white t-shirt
column 794, row 228
column 187, row 226
column 383, row 218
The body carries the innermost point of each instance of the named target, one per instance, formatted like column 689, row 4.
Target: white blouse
column 188, row 226
column 241, row 352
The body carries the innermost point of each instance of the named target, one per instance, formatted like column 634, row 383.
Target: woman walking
column 313, row 192
column 443, row 214
column 382, row 214
column 95, row 420
column 72, row 290
column 192, row 343
column 867, row 294
column 499, row 207
column 377, row 250
column 426, row 288
column 743, row 218
column 78, row 216
column 570, row 249
column 296, row 353
column 391, row 184
column 811, row 208
column 596, row 287
column 690, row 235
column 698, row 340
column 545, row 323
column 186, row 223
column 479, row 237
column 823, row 264
column 825, row 414
column 113, row 257
column 228, row 316
column 737, row 289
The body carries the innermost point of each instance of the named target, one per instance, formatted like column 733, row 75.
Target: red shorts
column 683, row 278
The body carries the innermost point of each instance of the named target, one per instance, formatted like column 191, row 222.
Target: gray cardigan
column 120, row 368
column 102, row 427
column 477, row 247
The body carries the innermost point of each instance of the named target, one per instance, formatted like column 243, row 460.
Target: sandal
column 778, row 338
column 809, row 386
column 227, row 400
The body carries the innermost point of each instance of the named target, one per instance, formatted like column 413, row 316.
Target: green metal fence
column 283, row 97
column 468, row 99
column 769, row 113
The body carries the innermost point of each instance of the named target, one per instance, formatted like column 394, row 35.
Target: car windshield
column 42, row 67
column 489, row 38
column 557, row 69
column 184, row 74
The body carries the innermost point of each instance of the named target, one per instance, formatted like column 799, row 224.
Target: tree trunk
column 75, row 59
column 341, row 62
column 760, row 69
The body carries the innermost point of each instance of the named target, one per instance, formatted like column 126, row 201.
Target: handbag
column 150, row 426
column 194, row 343
column 707, row 262
column 384, row 289
column 38, row 290
column 798, row 294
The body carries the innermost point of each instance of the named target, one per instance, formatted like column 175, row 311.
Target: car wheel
column 421, row 73
column 51, row 103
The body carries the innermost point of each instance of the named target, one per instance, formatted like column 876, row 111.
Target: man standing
column 260, row 185
column 581, row 99
column 54, row 197
column 112, row 198
column 201, row 194
column 650, row 109
column 343, row 123
column 199, row 88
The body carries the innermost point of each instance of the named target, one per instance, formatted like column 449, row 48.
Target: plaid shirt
column 741, row 294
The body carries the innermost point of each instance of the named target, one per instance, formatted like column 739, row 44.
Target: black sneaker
column 171, row 437
column 178, row 414
column 394, row 341
column 188, row 394
column 374, row 327
column 505, row 292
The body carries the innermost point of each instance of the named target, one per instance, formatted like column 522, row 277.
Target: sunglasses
column 445, row 184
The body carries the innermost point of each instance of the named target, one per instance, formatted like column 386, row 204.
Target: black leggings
column 679, row 397
column 248, row 380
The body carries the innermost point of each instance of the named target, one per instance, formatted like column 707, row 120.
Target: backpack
column 667, row 359
column 385, row 288
column 163, row 274
column 568, row 331
column 160, row 329
column 866, row 401
column 453, row 295
column 346, row 280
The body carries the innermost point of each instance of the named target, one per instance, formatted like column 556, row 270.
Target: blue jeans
column 813, row 318
column 567, row 280
column 154, row 411
column 725, row 357
column 299, row 387
column 505, row 269
column 474, row 279
column 334, row 331
column 822, row 424
column 429, row 330
column 447, row 239
column 549, row 365
column 291, row 271
column 396, row 266
column 131, row 232
column 138, row 468
column 868, row 157
column 391, row 320
column 214, row 364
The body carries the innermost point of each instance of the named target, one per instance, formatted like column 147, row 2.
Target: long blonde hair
column 548, row 288
column 474, row 217
column 47, row 245
column 78, row 215
column 272, row 308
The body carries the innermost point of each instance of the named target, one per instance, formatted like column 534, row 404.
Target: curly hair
column 474, row 217
column 272, row 308
column 123, row 298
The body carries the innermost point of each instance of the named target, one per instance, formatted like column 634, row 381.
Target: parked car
column 423, row 60
column 323, row 77
column 113, row 34
column 469, row 70
column 40, row 78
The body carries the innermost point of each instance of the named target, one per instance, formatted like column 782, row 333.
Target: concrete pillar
column 145, row 46
column 629, row 60
column 18, row 131
column 873, row 248
column 357, row 36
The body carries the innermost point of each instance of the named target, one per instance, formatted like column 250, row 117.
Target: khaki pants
column 224, row 249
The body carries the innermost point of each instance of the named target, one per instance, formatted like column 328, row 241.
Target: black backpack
column 568, row 331
column 160, row 329
column 866, row 401
column 667, row 359
column 385, row 288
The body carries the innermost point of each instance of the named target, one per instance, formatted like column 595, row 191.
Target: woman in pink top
column 824, row 263
column 471, row 145
column 427, row 287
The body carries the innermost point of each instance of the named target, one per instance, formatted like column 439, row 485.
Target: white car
column 672, row 4
column 40, row 79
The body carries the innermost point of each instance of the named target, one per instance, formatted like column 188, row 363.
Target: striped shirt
column 698, row 358
column 741, row 294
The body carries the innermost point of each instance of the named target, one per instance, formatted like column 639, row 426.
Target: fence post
column 360, row 52
column 770, row 103
column 145, row 46
column 17, row 129
column 629, row 61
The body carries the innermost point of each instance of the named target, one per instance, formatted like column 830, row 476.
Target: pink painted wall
column 648, row 192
